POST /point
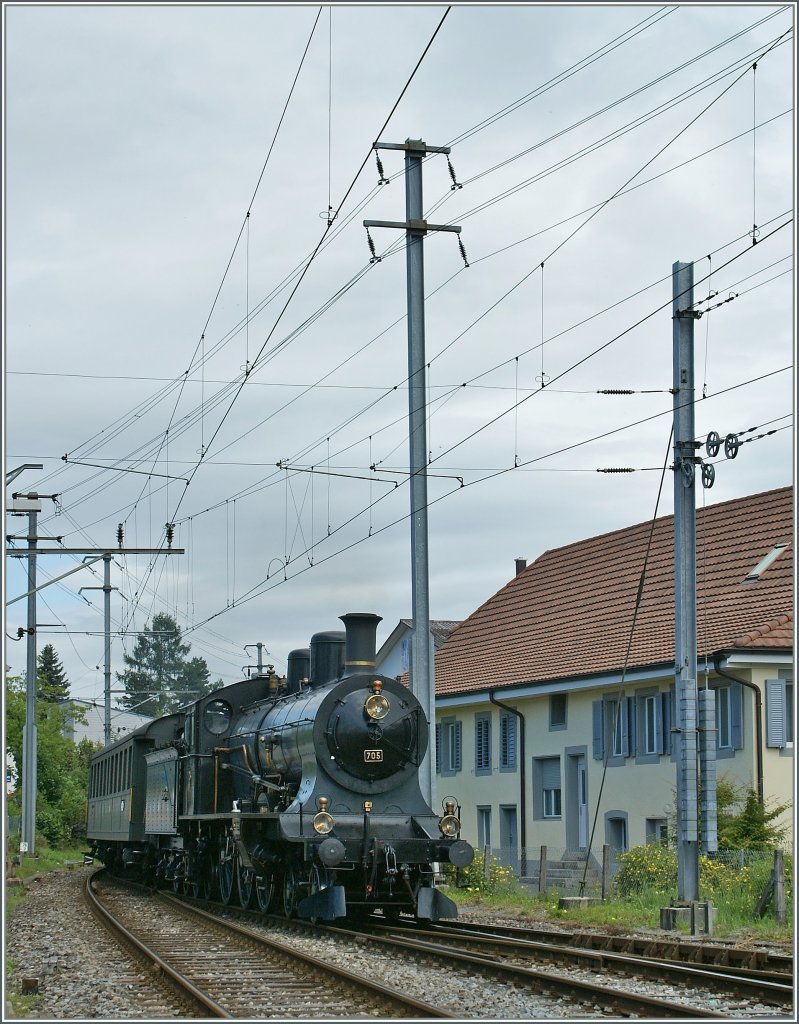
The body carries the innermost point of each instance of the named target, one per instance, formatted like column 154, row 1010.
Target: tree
column 159, row 678
column 62, row 767
column 744, row 823
column 52, row 684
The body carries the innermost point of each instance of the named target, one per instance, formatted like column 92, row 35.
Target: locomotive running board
column 432, row 905
column 325, row 905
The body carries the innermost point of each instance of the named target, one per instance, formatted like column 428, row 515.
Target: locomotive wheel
column 318, row 878
column 291, row 884
column 246, row 880
column 226, row 879
column 208, row 884
column 264, row 891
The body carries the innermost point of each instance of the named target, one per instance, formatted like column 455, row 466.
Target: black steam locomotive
column 298, row 794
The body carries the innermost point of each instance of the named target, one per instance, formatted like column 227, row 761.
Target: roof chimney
column 521, row 565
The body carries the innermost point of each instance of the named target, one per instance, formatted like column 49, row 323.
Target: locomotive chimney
column 299, row 668
column 361, row 644
column 327, row 657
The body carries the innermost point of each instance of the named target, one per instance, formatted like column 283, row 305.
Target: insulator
column 455, row 183
column 120, row 534
column 463, row 251
column 615, row 391
column 170, row 533
column 383, row 179
column 375, row 258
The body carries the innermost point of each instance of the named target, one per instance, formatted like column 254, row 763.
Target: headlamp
column 376, row 704
column 323, row 822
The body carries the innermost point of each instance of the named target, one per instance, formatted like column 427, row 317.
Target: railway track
column 657, row 947
column 771, row 985
column 586, row 988
column 452, row 956
column 226, row 970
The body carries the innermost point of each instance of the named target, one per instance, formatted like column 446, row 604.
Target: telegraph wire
column 255, row 592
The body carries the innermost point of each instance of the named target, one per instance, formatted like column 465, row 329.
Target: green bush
column 484, row 878
column 646, row 868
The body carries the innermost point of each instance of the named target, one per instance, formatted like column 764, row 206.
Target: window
column 657, row 832
column 779, row 713
column 614, row 729
column 217, row 716
column 723, row 723
column 616, row 830
column 557, row 710
column 547, row 791
column 482, row 745
column 507, row 742
column 650, row 725
column 448, row 746
column 729, row 720
column 483, row 827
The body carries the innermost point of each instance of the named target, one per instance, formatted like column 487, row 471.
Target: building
column 122, row 722
column 555, row 717
column 394, row 656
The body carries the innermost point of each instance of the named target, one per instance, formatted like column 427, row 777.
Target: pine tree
column 52, row 684
column 158, row 677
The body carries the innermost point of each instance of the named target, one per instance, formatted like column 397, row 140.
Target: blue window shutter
column 456, row 753
column 736, row 716
column 438, row 747
column 597, row 719
column 510, row 725
column 625, row 728
column 632, row 726
column 660, row 725
column 775, row 712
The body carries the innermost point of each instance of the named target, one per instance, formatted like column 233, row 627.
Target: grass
column 733, row 920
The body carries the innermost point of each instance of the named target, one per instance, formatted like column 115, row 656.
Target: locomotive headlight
column 323, row 822
column 377, row 704
column 450, row 826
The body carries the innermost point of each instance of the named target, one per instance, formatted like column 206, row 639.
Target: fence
column 572, row 873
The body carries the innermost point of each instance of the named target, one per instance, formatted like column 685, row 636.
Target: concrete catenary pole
column 107, row 660
column 29, row 732
column 416, row 227
column 685, row 460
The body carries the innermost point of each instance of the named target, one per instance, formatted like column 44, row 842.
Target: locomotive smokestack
column 361, row 644
column 327, row 657
column 299, row 668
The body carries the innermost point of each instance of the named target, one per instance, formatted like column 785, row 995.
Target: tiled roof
column 569, row 613
column 440, row 629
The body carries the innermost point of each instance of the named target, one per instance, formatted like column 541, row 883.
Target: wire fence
column 573, row 873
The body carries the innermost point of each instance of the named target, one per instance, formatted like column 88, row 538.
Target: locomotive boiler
column 299, row 794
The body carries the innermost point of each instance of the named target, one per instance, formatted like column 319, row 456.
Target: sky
column 185, row 326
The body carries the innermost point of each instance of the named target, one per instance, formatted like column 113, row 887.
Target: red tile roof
column 570, row 612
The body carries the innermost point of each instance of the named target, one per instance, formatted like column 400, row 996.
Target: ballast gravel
column 53, row 938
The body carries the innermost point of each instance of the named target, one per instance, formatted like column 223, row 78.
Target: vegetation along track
column 230, row 971
column 682, row 964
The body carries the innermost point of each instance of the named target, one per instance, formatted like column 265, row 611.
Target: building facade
column 555, row 700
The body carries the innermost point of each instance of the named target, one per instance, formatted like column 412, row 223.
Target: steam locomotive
column 298, row 794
